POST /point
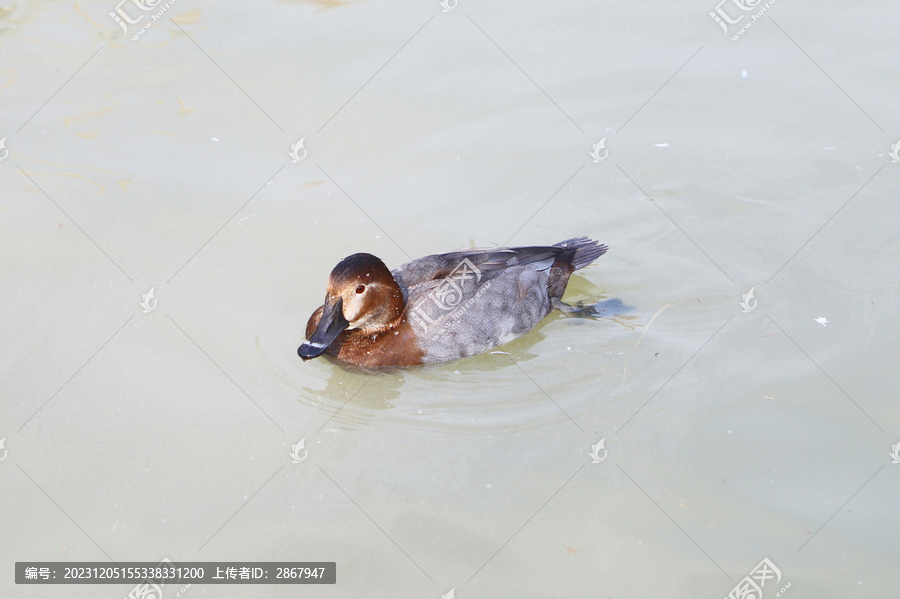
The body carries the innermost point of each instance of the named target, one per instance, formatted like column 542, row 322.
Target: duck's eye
column 360, row 289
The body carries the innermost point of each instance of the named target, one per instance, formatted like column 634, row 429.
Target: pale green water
column 731, row 435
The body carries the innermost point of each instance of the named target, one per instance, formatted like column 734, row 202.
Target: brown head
column 361, row 295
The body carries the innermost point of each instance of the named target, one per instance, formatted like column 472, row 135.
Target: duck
column 441, row 307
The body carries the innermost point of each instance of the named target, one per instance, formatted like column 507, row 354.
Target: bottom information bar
column 169, row 572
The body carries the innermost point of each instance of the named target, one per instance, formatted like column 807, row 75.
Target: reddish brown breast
column 393, row 348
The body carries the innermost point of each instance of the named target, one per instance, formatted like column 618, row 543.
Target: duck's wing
column 479, row 299
column 579, row 252
column 482, row 264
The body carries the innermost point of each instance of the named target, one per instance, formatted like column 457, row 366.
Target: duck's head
column 362, row 295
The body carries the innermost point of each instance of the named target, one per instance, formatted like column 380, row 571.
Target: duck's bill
column 330, row 326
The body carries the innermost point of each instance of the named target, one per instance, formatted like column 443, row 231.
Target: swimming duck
column 441, row 307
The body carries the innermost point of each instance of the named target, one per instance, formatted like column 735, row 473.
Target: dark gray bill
column 330, row 326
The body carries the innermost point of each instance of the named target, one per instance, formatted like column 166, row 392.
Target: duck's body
column 440, row 307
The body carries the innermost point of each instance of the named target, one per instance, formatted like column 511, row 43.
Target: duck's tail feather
column 586, row 250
